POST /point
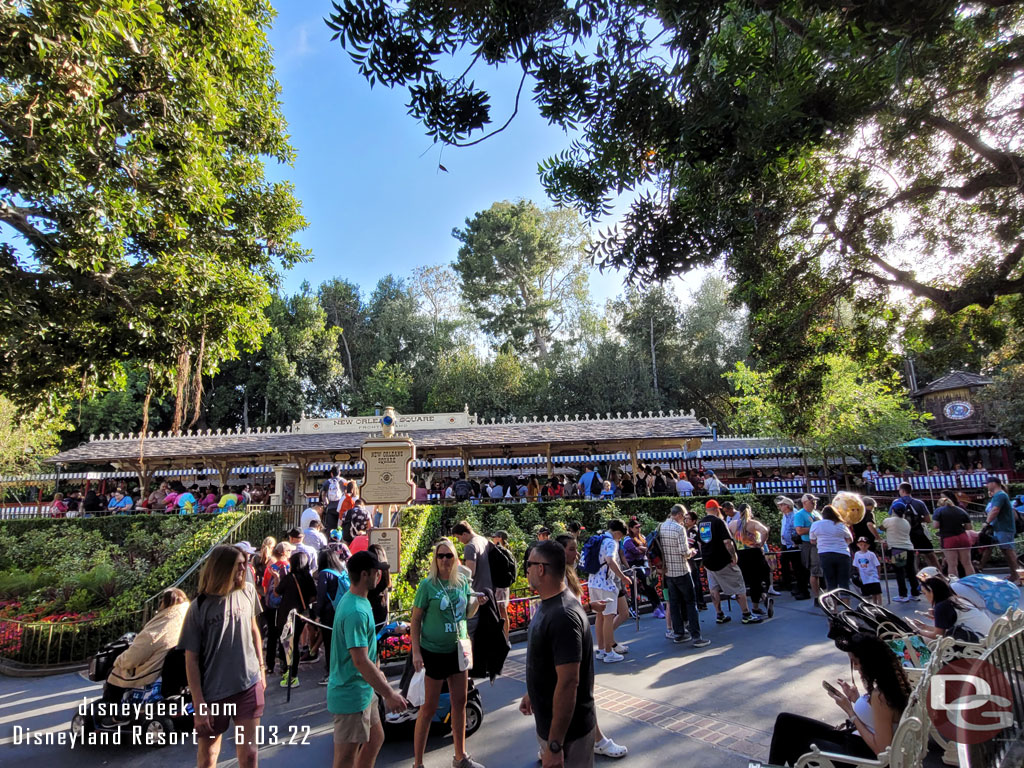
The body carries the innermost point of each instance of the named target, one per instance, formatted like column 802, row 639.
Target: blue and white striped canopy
column 663, row 455
column 584, row 459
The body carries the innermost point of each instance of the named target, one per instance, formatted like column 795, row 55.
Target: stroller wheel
column 474, row 717
column 82, row 724
column 158, row 732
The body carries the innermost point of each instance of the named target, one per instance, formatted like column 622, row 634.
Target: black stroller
column 153, row 715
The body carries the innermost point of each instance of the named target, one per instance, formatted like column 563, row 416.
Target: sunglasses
column 533, row 562
column 445, row 555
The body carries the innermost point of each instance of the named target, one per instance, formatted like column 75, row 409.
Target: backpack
column 596, row 485
column 592, row 552
column 340, row 588
column 654, row 553
column 347, row 532
column 334, row 489
column 503, row 566
column 463, row 490
column 274, row 599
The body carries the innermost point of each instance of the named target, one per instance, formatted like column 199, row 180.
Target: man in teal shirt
column 804, row 518
column 355, row 676
column 1001, row 516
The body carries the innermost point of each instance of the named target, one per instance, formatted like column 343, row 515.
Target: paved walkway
column 713, row 707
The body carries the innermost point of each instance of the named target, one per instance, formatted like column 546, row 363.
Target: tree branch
column 1005, row 162
column 508, row 122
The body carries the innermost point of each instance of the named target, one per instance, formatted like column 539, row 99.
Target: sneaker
column 609, row 748
column 774, row 592
column 620, row 648
column 670, row 634
column 722, row 619
column 287, row 681
column 467, row 761
column 901, row 599
column 598, row 654
column 611, row 657
column 701, row 642
column 751, row 618
column 683, row 638
column 757, row 609
column 326, row 679
column 916, row 598
column 659, row 613
column 771, row 608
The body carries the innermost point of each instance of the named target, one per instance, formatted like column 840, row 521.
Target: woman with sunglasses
column 442, row 604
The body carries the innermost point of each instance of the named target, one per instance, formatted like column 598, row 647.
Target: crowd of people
column 168, row 497
column 326, row 572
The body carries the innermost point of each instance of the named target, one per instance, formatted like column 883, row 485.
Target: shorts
column 1003, row 539
column 809, row 558
column 501, row 595
column 728, row 580
column 248, row 705
column 610, row 608
column 440, row 666
column 355, row 727
column 920, row 539
column 874, row 588
column 961, row 541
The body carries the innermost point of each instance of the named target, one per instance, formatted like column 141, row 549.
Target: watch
column 554, row 747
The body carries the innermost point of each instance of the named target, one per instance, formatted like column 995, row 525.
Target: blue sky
column 366, row 172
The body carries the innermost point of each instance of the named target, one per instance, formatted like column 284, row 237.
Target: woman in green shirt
column 442, row 604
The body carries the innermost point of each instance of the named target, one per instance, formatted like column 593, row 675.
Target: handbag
column 464, row 650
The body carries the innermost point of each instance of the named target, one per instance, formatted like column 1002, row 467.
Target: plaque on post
column 387, row 462
column 391, row 540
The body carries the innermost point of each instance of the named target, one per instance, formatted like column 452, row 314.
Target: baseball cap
column 711, row 504
column 335, row 534
column 246, row 547
column 543, row 529
column 927, row 572
column 503, row 535
column 862, row 538
column 364, row 560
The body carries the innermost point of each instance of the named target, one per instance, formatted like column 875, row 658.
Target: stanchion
column 293, row 668
column 885, row 577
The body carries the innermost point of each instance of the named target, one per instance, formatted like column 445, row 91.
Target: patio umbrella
column 924, row 443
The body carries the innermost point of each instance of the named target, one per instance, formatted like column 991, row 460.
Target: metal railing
column 1005, row 748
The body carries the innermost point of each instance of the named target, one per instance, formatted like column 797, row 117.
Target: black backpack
column 596, row 484
column 462, row 489
column 503, row 566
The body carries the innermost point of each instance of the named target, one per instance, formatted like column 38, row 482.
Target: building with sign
column 953, row 402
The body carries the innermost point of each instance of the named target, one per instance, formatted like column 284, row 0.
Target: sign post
column 391, row 540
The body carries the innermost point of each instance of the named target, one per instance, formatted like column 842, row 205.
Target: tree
column 821, row 151
column 136, row 219
column 522, row 273
column 853, row 409
column 387, row 384
column 28, row 437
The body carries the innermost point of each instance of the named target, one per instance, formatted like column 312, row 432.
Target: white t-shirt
column 308, row 515
column 314, row 539
column 831, row 537
column 867, row 564
column 604, row 578
column 684, row 487
column 897, row 533
column 974, row 619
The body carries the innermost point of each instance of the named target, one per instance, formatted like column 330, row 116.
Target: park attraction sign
column 406, row 422
column 387, row 463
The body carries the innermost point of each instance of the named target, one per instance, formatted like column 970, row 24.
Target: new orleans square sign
column 371, row 424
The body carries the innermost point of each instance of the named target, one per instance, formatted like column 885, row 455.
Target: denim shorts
column 1003, row 539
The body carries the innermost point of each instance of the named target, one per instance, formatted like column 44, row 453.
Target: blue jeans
column 681, row 597
column 835, row 568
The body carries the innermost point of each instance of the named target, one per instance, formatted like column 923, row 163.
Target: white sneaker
column 670, row 634
column 901, row 599
column 620, row 648
column 609, row 748
column 598, row 654
column 773, row 591
column 611, row 657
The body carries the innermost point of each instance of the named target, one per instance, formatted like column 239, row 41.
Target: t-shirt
column 219, row 630
column 228, row 500
column 311, row 553
column 476, row 552
column 952, row 520
column 804, row 519
column 712, row 533
column 605, row 578
column 560, row 634
column 347, row 691
column 897, row 532
column 186, row 502
column 587, row 480
column 496, row 492
column 948, row 617
column 124, row 503
column 862, row 528
column 684, row 487
column 314, row 539
column 444, row 614
column 1004, row 520
column 866, row 564
column 308, row 515
column 830, row 537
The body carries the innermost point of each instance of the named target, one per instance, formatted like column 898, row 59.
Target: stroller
column 403, row 721
column 161, row 709
column 848, row 612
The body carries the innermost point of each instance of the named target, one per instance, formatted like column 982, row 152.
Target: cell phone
column 831, row 688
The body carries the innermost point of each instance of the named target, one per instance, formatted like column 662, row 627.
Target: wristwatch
column 554, row 747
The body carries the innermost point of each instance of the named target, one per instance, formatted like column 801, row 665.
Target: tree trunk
column 654, row 359
column 348, row 357
column 245, row 408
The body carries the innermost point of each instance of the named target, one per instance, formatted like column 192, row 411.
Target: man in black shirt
column 720, row 561
column 559, row 665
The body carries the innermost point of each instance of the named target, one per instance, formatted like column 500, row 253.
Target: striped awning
column 989, row 442
column 782, row 450
column 585, row 459
column 939, row 482
column 663, row 455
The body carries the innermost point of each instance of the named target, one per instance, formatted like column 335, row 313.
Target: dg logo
column 970, row 701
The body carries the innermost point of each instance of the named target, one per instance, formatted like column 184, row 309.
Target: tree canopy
column 824, row 152
column 136, row 222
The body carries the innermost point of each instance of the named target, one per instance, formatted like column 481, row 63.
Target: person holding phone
column 441, row 606
column 872, row 715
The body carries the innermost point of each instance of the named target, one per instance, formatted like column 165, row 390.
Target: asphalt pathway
column 667, row 703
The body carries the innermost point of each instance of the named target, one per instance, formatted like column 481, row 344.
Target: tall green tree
column 137, row 220
column 387, row 384
column 522, row 275
column 28, row 437
column 823, row 152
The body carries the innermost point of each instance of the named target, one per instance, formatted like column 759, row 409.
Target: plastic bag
column 417, row 689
